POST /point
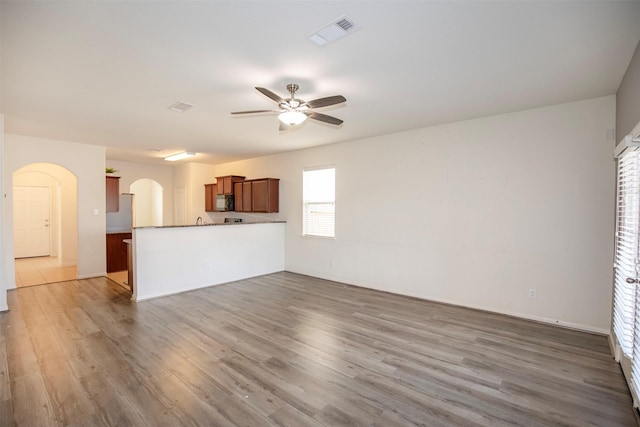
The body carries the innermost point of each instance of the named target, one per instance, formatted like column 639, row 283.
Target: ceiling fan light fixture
column 292, row 118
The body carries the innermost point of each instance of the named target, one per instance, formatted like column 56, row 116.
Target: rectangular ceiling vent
column 335, row 30
column 180, row 107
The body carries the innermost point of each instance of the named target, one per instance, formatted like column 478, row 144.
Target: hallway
column 42, row 270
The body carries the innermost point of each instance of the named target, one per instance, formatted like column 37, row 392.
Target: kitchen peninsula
column 172, row 259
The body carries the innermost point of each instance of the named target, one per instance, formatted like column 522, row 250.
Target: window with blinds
column 319, row 201
column 626, row 253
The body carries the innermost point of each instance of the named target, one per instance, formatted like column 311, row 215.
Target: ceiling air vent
column 336, row 30
column 180, row 107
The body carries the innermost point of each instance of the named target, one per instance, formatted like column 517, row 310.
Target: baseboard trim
column 545, row 320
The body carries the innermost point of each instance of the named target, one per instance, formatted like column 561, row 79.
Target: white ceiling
column 105, row 72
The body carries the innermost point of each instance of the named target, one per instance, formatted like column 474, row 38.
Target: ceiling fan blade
column 270, row 94
column 325, row 102
column 254, row 111
column 324, row 118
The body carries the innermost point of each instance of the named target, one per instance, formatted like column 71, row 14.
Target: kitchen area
column 157, row 260
column 120, row 220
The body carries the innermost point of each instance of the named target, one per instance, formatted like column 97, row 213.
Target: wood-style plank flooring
column 291, row 350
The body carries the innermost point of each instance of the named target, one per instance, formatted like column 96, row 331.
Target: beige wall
column 474, row 213
column 129, row 172
column 7, row 269
column 193, row 176
column 87, row 163
column 628, row 98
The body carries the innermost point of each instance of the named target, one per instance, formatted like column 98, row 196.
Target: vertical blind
column 318, row 199
column 626, row 253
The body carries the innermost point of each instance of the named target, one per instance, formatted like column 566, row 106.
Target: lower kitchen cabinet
column 117, row 252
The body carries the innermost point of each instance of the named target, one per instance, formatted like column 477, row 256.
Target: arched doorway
column 45, row 224
column 148, row 202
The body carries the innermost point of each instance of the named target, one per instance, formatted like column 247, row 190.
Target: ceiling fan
column 293, row 111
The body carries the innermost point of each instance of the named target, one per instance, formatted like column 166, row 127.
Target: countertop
column 119, row 231
column 213, row 224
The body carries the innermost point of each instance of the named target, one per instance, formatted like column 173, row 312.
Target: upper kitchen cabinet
column 237, row 196
column 265, row 195
column 113, row 193
column 210, row 192
column 257, row 195
column 225, row 183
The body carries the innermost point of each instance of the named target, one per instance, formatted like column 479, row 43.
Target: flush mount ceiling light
column 292, row 118
column 180, row 156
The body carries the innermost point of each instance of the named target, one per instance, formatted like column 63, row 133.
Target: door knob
column 631, row 280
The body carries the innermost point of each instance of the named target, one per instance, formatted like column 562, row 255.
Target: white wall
column 628, row 98
column 64, row 206
column 87, row 163
column 148, row 202
column 193, row 176
column 7, row 274
column 177, row 259
column 473, row 213
column 129, row 172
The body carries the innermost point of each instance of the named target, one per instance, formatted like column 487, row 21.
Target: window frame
column 305, row 204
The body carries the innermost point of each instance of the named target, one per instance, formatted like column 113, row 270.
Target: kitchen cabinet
column 210, row 192
column 117, row 252
column 225, row 183
column 265, row 195
column 257, row 195
column 113, row 193
column 246, row 196
column 237, row 196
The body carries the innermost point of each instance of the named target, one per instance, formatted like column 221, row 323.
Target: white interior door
column 31, row 207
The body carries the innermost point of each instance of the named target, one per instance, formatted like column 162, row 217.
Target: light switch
column 96, row 212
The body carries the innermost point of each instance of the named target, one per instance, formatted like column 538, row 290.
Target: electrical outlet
column 533, row 294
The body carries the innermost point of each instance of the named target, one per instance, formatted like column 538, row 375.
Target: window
column 626, row 245
column 319, row 201
column 626, row 294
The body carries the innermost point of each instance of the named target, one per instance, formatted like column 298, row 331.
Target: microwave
column 224, row 202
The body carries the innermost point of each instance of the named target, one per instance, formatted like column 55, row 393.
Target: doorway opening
column 148, row 197
column 45, row 224
column 141, row 207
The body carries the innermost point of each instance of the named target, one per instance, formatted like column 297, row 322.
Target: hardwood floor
column 286, row 349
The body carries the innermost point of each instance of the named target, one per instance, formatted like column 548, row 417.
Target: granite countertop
column 212, row 224
column 118, row 231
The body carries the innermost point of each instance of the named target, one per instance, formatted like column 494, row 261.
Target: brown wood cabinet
column 225, row 183
column 237, row 196
column 210, row 192
column 265, row 195
column 113, row 193
column 246, row 196
column 257, row 195
column 117, row 252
